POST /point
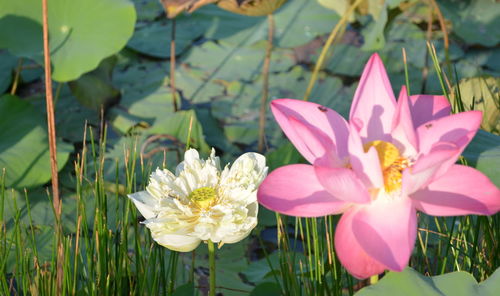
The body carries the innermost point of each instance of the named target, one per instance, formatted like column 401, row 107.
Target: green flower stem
column 211, row 260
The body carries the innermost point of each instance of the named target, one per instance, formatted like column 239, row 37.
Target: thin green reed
column 17, row 239
column 309, row 249
column 407, row 77
column 4, row 289
column 437, row 67
column 31, row 232
column 2, row 199
column 318, row 244
column 286, row 258
column 333, row 264
column 266, row 257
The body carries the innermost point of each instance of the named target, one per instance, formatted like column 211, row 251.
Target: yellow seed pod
column 392, row 178
column 387, row 152
column 203, row 197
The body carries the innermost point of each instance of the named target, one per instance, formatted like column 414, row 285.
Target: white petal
column 247, row 172
column 191, row 157
column 145, row 203
column 242, row 233
column 239, row 229
column 179, row 224
column 176, row 242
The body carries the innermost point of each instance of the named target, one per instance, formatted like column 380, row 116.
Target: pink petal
column 294, row 190
column 386, row 230
column 461, row 191
column 342, row 183
column 313, row 143
column 312, row 114
column 458, row 129
column 403, row 131
column 365, row 165
column 427, row 167
column 424, row 108
column 350, row 253
column 374, row 104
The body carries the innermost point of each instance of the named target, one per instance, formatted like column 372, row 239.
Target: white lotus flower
column 200, row 202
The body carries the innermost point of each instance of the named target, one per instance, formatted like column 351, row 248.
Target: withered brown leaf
column 174, row 7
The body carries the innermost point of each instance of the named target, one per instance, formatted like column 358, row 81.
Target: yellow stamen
column 203, row 197
column 391, row 162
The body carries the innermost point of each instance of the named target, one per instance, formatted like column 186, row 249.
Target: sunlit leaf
column 339, row 6
column 482, row 93
column 491, row 285
column 82, row 33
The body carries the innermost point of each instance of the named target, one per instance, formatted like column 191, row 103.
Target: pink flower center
column 391, row 162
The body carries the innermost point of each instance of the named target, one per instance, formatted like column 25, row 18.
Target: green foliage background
column 111, row 65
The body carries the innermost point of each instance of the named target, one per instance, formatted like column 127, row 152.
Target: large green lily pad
column 82, row 33
column 24, row 151
column 154, row 38
column 94, row 89
column 411, row 283
column 483, row 153
column 144, row 91
column 297, row 23
column 153, row 32
column 230, row 261
column 177, row 125
column 7, row 64
column 475, row 21
column 229, row 63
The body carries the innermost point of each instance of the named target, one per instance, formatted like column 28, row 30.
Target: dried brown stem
column 442, row 24
column 150, row 140
column 50, row 111
column 446, row 41
column 52, row 145
column 428, row 37
column 265, row 86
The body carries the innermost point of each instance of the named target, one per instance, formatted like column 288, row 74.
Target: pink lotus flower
column 390, row 160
